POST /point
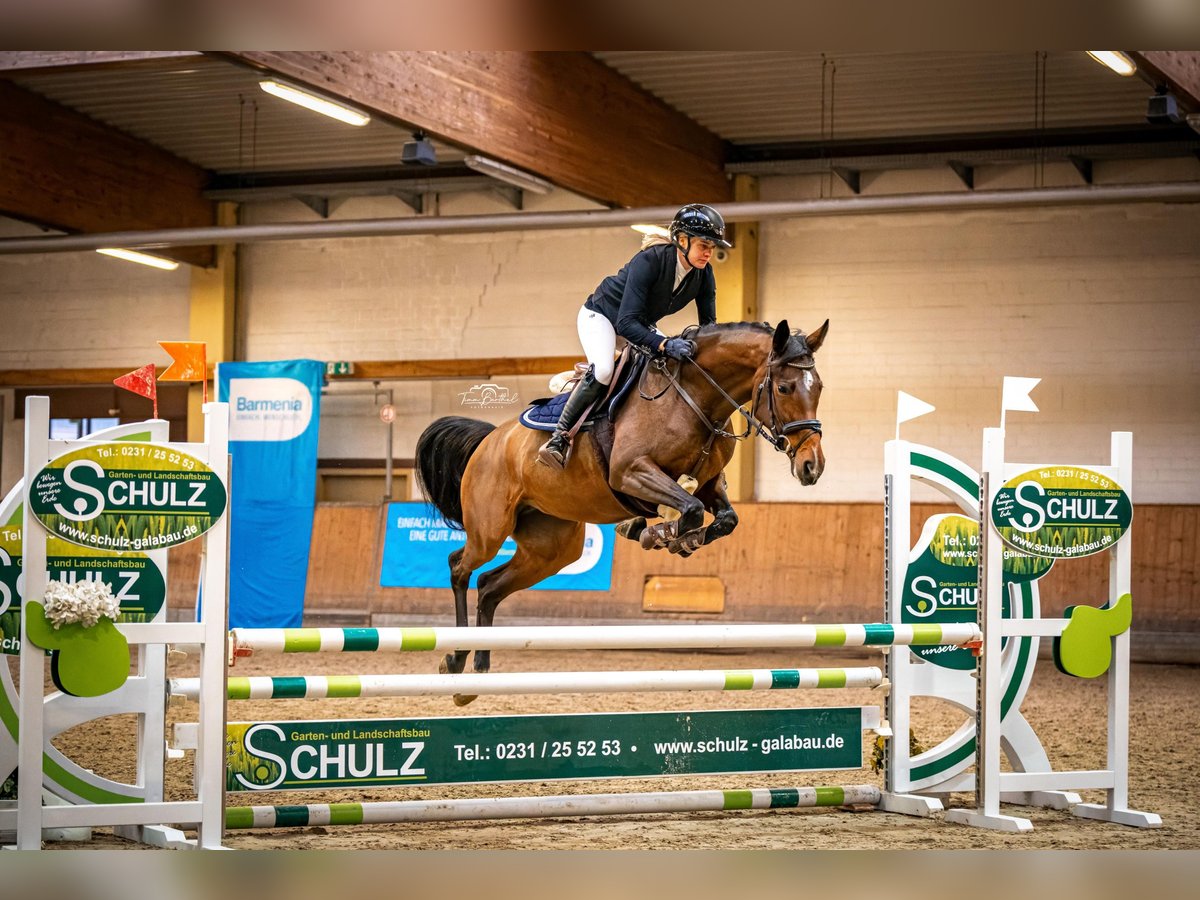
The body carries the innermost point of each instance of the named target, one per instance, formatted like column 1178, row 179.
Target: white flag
column 1016, row 394
column 910, row 407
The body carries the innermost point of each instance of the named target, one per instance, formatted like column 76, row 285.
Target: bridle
column 772, row 432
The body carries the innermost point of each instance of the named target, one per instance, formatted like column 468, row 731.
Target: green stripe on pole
column 831, row 678
column 301, row 640
column 286, row 687
column 343, row 686
column 927, row 634
column 830, row 796
column 738, row 799
column 739, row 681
column 951, row 474
column 418, row 639
column 238, row 688
column 239, row 817
column 785, row 678
column 879, row 635
column 365, row 640
column 291, row 816
column 345, row 814
column 784, row 798
column 830, row 636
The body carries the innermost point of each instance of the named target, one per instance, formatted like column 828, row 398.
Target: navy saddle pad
column 543, row 414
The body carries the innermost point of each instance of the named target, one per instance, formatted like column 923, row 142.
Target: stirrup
column 552, row 456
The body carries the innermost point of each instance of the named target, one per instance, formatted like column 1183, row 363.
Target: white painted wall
column 1102, row 303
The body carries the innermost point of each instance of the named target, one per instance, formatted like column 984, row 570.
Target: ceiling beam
column 564, row 116
column 1178, row 70
column 65, row 171
column 26, row 62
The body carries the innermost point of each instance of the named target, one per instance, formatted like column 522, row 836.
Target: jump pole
column 240, row 817
column 316, row 687
column 246, row 641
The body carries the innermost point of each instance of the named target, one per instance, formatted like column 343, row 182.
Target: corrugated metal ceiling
column 212, row 113
column 756, row 97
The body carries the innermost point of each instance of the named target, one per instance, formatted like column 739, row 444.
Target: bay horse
column 488, row 481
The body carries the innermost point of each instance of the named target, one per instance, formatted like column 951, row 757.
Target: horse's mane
column 718, row 327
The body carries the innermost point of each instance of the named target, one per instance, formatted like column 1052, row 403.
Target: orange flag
column 187, row 362
column 141, row 381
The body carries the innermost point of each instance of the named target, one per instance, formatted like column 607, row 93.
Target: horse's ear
column 817, row 338
column 783, row 334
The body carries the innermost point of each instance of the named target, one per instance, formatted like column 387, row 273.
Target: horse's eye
column 784, row 388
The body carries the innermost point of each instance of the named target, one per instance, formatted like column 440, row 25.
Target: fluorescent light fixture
column 653, row 230
column 506, row 173
column 144, row 258
column 315, row 103
column 1115, row 60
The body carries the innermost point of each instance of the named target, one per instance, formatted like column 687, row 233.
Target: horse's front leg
column 645, row 480
column 716, row 501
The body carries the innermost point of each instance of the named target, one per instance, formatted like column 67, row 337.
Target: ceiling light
column 144, row 258
column 652, row 230
column 315, row 103
column 1115, row 60
column 506, row 173
column 418, row 151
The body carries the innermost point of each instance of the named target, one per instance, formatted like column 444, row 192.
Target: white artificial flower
column 83, row 603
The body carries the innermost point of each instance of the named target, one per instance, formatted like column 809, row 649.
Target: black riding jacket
column 641, row 294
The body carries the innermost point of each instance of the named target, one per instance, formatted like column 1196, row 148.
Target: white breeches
column 599, row 340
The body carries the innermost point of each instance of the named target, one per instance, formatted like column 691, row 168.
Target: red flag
column 141, row 382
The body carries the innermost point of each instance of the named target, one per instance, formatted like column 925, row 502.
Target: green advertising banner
column 942, row 582
column 136, row 581
column 461, row 750
column 127, row 496
column 1061, row 512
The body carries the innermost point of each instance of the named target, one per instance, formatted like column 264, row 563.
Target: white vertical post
column 988, row 669
column 897, row 524
column 210, row 752
column 33, row 659
column 1120, row 580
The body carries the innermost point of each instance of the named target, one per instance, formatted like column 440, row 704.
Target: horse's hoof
column 463, row 699
column 446, row 666
column 632, row 528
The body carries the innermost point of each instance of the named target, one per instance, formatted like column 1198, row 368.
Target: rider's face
column 699, row 252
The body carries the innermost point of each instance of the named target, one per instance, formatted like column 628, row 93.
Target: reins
column 774, row 433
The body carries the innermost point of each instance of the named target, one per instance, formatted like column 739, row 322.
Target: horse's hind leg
column 457, row 661
column 544, row 545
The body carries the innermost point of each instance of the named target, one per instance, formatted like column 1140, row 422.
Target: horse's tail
column 442, row 453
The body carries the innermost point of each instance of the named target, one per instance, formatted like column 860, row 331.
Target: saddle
column 543, row 414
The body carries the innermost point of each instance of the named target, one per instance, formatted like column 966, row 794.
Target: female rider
column 661, row 279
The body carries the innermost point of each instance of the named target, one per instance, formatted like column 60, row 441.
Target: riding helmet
column 699, row 221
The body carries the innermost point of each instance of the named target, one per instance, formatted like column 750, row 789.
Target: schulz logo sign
column 488, row 396
column 1061, row 512
column 122, row 497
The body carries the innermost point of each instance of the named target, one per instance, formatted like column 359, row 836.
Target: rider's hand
column 679, row 348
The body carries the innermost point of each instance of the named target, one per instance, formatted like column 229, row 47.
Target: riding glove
column 679, row 348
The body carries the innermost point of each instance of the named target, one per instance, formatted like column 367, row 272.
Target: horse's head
column 787, row 397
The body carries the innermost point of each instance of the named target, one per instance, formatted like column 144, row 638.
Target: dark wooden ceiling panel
column 66, row 171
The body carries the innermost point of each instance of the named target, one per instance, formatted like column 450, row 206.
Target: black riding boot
column 554, row 451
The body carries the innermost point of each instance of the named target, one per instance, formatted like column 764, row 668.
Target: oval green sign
column 1061, row 512
column 941, row 583
column 127, row 496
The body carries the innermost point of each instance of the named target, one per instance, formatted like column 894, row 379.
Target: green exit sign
column 342, row 367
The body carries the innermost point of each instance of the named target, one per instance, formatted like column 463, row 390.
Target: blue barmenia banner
column 274, row 411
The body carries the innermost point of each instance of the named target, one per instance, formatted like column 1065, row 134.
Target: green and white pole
column 246, row 641
column 240, row 817
column 315, row 687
